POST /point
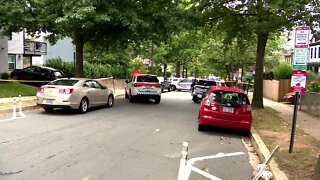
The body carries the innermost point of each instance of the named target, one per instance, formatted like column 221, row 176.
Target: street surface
column 136, row 141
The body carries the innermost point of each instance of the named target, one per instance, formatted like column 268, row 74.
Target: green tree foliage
column 283, row 71
column 259, row 19
column 97, row 22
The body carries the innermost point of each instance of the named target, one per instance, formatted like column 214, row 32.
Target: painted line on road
column 11, row 119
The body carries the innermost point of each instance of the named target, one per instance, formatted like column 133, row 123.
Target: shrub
column 89, row 70
column 314, row 86
column 283, row 71
column 66, row 67
column 311, row 76
column 4, row 75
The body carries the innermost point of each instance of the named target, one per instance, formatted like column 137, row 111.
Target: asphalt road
column 136, row 141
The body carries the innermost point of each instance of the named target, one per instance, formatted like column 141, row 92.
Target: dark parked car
column 165, row 85
column 201, row 88
column 36, row 73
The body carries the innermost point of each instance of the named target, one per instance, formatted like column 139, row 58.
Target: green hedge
column 90, row 70
column 4, row 75
column 282, row 71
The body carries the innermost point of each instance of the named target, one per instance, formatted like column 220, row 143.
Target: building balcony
column 35, row 48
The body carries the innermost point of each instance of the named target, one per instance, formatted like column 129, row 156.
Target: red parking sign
column 298, row 81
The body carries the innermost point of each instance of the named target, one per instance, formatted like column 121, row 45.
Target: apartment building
column 23, row 50
column 314, row 56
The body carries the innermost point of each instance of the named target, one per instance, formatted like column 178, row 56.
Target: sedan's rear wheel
column 48, row 109
column 173, row 88
column 131, row 98
column 194, row 99
column 84, row 105
column 201, row 127
column 15, row 77
column 157, row 100
column 126, row 95
column 110, row 101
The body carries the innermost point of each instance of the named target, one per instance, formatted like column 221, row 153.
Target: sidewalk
column 308, row 123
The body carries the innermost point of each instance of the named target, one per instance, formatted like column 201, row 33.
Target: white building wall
column 15, row 45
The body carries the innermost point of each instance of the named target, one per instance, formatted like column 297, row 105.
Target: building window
column 319, row 52
column 11, row 62
column 311, row 53
column 315, row 52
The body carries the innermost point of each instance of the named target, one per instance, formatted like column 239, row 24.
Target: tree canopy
column 243, row 20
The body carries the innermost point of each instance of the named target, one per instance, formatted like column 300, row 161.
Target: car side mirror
column 127, row 81
column 104, row 87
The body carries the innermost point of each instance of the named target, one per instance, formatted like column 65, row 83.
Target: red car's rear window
column 232, row 99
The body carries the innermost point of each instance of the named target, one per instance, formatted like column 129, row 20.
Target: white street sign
column 300, row 56
column 302, row 37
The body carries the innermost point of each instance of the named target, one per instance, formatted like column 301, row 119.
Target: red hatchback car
column 225, row 107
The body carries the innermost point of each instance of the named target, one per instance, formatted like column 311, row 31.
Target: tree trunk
column 164, row 71
column 152, row 58
column 257, row 100
column 78, row 41
column 177, row 69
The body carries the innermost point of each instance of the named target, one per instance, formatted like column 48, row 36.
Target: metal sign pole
column 294, row 120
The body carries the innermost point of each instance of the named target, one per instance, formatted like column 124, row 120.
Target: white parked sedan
column 74, row 93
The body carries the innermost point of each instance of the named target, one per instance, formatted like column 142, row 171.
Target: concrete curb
column 264, row 153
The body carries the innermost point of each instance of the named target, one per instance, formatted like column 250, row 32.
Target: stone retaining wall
column 310, row 103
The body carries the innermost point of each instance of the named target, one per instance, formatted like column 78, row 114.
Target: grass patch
column 275, row 131
column 13, row 89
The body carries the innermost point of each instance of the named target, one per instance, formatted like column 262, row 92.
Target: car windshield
column 226, row 98
column 206, row 83
column 64, row 82
column 147, row 79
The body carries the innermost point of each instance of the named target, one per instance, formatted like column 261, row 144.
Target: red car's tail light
column 65, row 91
column 40, row 89
column 247, row 109
column 207, row 102
column 137, row 85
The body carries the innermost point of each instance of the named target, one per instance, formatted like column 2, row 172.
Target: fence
column 310, row 102
column 112, row 83
column 276, row 89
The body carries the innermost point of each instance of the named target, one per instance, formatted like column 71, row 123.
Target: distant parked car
column 289, row 97
column 227, row 108
column 173, row 82
column 36, row 73
column 201, row 88
column 144, row 86
column 184, row 84
column 165, row 84
column 74, row 93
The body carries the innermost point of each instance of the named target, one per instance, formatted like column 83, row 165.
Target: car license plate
column 228, row 109
column 48, row 101
column 147, row 87
column 199, row 96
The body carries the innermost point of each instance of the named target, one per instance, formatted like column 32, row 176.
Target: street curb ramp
column 264, row 153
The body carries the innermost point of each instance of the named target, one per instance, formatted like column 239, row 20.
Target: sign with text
column 298, row 81
column 302, row 37
column 300, row 59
